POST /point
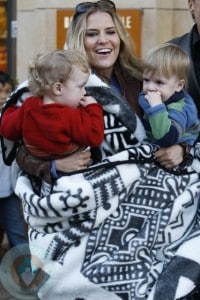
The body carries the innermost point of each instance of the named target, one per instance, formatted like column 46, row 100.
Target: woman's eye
column 111, row 32
column 91, row 33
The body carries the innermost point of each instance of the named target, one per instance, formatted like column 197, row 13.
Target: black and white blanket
column 125, row 228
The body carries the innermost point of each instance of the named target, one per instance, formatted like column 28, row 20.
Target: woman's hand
column 79, row 160
column 170, row 157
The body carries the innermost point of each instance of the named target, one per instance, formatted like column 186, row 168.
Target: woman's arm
column 170, row 157
column 79, row 160
column 42, row 168
column 32, row 165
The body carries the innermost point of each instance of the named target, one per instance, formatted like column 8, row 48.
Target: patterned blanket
column 125, row 228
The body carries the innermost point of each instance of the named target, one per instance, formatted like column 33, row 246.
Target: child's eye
column 160, row 82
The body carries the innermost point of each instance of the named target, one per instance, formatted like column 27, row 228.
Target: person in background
column 190, row 43
column 11, row 215
column 59, row 118
column 6, row 86
column 170, row 114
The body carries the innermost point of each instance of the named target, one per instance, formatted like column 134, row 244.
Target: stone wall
column 36, row 23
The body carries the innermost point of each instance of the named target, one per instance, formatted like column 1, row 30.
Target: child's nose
column 151, row 87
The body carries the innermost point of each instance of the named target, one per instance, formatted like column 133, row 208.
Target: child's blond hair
column 167, row 59
column 54, row 66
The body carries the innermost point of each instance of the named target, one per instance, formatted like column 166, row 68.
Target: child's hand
column 153, row 97
column 86, row 100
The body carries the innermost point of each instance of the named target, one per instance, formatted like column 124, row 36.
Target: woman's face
column 102, row 42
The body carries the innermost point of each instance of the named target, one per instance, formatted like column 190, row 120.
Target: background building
column 41, row 25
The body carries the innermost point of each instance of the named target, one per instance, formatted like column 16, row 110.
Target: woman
column 108, row 231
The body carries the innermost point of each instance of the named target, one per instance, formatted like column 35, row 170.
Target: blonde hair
column 53, row 66
column 167, row 59
column 129, row 63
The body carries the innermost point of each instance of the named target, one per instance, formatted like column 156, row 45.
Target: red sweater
column 53, row 130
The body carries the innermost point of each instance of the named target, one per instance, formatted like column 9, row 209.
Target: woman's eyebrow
column 96, row 29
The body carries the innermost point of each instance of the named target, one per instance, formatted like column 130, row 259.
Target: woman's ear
column 57, row 88
column 180, row 85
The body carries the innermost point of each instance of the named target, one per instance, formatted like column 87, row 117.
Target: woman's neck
column 104, row 74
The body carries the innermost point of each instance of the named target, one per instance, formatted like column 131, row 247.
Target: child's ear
column 57, row 88
column 180, row 85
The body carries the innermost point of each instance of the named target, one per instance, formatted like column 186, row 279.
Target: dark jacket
column 185, row 42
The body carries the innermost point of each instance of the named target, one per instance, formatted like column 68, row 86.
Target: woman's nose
column 102, row 38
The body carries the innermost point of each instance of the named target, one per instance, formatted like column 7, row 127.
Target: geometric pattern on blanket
column 183, row 267
column 120, row 247
column 135, row 215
